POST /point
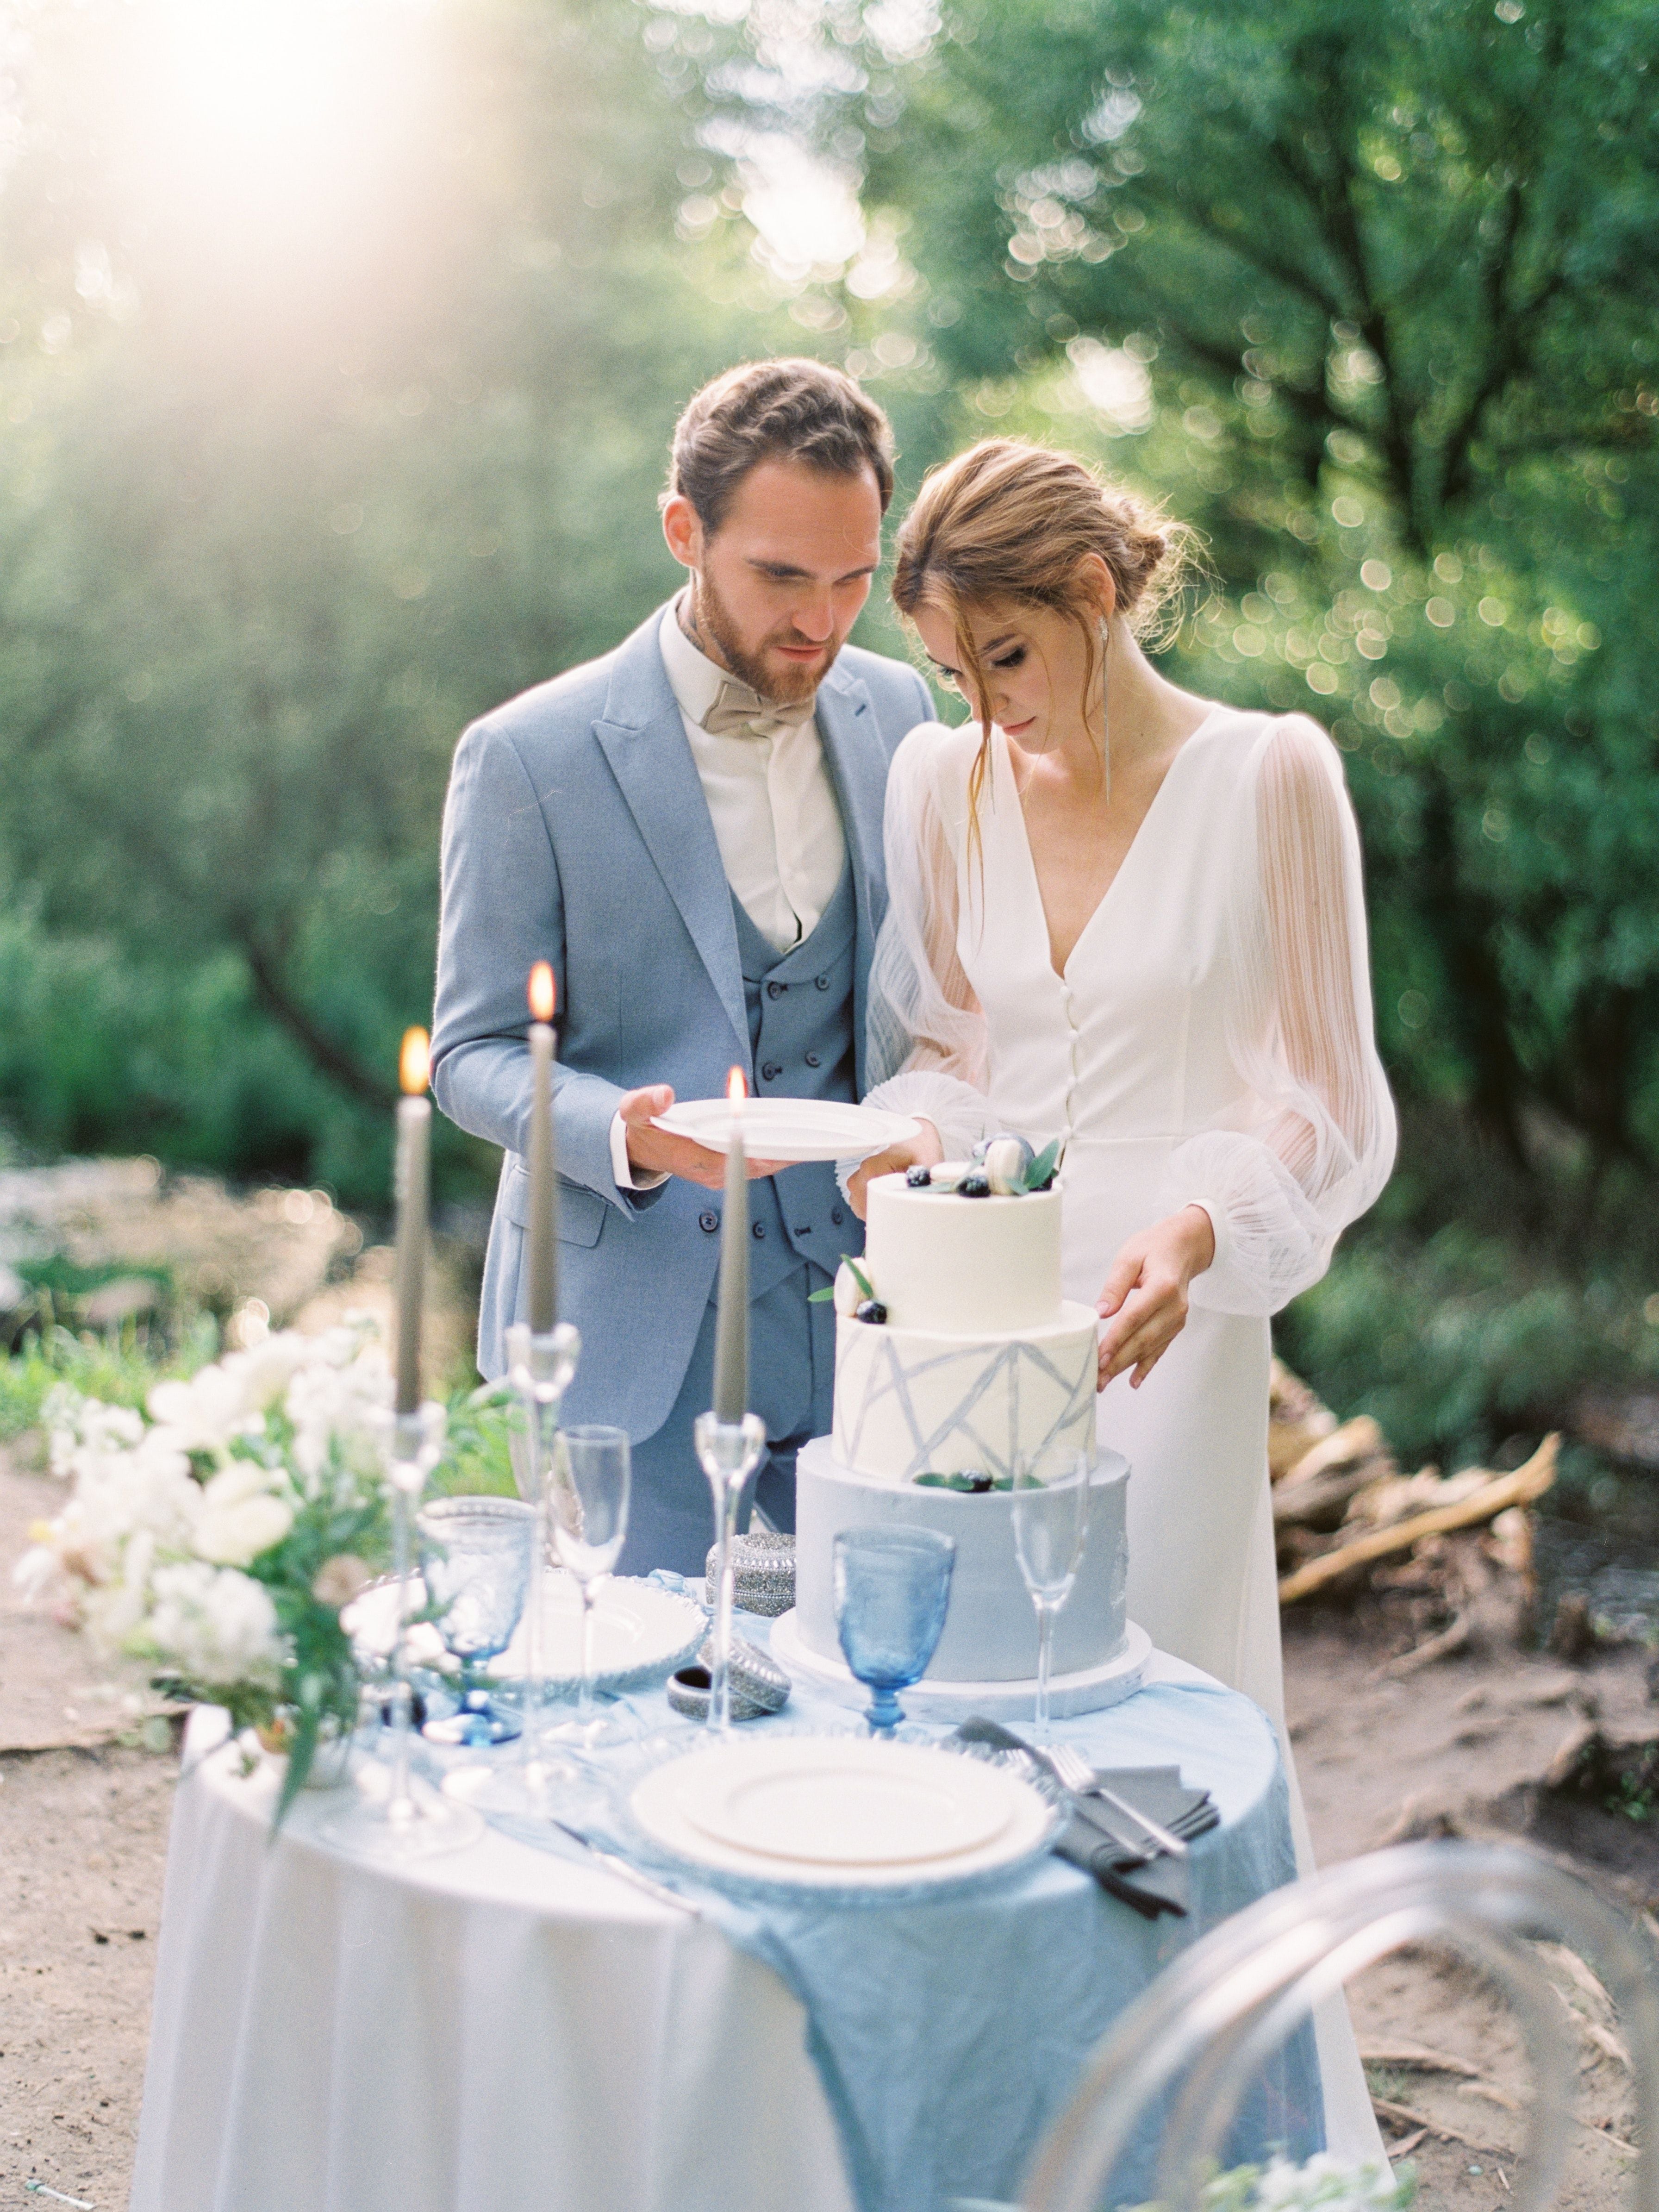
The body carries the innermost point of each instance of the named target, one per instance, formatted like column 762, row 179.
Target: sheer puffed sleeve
column 925, row 1032
column 1313, row 1143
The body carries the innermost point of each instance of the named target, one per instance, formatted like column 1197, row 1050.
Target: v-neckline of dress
column 1062, row 973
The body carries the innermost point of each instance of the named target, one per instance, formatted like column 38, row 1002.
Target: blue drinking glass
column 892, row 1590
column 475, row 1559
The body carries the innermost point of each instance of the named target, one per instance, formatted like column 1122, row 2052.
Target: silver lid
column 759, row 1685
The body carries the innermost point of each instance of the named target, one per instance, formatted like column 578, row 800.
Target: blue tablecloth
column 949, row 2033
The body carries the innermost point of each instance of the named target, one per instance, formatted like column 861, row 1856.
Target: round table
column 496, row 2029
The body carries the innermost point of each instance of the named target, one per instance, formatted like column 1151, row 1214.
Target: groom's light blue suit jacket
column 577, row 832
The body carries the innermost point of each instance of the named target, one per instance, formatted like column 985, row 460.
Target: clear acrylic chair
column 1203, row 2030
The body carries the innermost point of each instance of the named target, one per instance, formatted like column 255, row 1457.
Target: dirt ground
column 1458, row 1748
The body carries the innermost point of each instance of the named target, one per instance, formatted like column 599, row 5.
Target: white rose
column 239, row 1517
column 36, row 1572
column 337, row 1406
column 120, row 1497
column 214, row 1625
column 202, row 1415
column 75, row 1425
column 267, row 1369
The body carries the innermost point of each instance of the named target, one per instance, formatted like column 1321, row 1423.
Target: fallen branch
column 1356, row 1440
column 1608, row 2045
column 1424, row 1655
column 1604, row 2129
column 1492, row 2094
column 1431, row 2061
column 1437, row 2128
column 1302, row 1505
column 1593, row 2032
column 1521, row 1488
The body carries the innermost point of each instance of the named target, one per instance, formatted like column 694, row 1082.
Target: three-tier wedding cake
column 959, row 1363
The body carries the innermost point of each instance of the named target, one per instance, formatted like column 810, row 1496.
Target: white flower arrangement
column 216, row 1535
column 1323, row 2183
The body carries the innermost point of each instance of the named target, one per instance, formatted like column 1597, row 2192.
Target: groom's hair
column 766, row 410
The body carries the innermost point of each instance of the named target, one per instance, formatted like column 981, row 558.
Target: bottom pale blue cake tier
column 990, row 1630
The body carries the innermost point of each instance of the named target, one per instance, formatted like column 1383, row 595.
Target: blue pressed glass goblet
column 475, row 1559
column 892, row 1590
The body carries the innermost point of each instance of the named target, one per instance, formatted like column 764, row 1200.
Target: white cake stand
column 1088, row 1692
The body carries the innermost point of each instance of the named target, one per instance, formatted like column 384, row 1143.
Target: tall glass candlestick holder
column 540, row 1364
column 730, row 1452
column 397, row 1816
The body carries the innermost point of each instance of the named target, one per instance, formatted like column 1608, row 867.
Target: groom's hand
column 657, row 1151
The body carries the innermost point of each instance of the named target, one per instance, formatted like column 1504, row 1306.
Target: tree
column 316, row 454
column 1370, row 294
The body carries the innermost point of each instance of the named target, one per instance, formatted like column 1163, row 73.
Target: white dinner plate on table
column 841, row 1812
column 641, row 1633
column 792, row 1129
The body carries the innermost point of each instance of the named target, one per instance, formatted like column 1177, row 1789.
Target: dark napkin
column 1105, row 1844
column 1142, row 1875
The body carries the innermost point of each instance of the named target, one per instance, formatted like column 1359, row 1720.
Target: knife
column 621, row 1866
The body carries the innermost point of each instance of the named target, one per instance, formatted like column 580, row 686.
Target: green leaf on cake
column 822, row 1296
column 1043, row 1168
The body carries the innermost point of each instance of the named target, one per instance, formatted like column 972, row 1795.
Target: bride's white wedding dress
column 1210, row 1040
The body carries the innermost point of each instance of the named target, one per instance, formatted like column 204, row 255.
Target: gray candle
column 732, row 1319
column 543, row 1252
column 414, row 1140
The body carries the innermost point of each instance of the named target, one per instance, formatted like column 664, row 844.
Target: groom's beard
column 711, row 622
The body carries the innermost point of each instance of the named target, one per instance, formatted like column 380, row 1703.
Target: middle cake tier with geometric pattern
column 912, row 1401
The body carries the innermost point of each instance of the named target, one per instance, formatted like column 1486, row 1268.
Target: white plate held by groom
column 792, row 1129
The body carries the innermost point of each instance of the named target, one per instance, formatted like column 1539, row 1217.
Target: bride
column 1132, row 918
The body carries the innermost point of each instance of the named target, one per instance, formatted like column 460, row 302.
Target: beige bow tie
column 739, row 711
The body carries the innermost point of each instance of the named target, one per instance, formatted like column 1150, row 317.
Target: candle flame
column 737, row 1090
column 541, row 994
column 414, row 1062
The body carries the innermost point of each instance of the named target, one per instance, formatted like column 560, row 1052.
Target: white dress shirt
column 776, row 822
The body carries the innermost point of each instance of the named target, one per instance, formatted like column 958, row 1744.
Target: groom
column 690, row 828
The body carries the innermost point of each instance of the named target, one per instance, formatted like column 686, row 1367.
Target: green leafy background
column 301, row 469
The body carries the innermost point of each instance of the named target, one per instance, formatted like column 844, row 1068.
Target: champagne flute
column 588, row 1511
column 1051, row 1522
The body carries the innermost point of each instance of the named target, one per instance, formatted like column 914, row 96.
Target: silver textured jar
column 763, row 1572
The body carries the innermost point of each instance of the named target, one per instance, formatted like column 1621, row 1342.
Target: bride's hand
column 922, row 1151
column 1144, row 1297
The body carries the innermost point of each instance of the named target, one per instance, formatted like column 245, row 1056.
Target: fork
column 1079, row 1777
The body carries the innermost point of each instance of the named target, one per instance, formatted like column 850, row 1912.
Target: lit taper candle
column 414, row 1142
column 543, row 1256
column 732, row 1319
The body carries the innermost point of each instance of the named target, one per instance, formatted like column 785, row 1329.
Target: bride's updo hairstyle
column 1007, row 521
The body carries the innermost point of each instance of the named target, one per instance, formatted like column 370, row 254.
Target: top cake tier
column 965, row 1266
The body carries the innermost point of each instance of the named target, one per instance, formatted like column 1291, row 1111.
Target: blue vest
column 800, row 1030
